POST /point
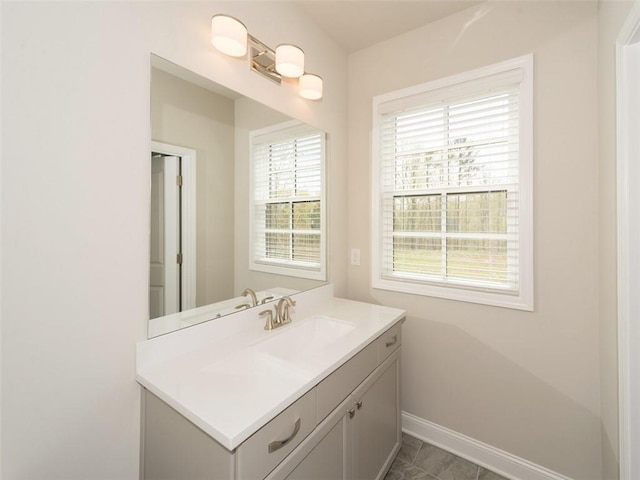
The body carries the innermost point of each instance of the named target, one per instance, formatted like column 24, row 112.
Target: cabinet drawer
column 266, row 448
column 388, row 342
column 337, row 386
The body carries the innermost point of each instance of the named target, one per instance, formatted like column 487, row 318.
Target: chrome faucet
column 282, row 310
column 252, row 294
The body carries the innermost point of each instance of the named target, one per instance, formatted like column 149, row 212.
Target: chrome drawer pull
column 392, row 342
column 278, row 444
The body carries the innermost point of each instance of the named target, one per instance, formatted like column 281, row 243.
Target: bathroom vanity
column 318, row 398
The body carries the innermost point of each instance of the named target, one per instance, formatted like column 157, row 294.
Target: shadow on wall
column 465, row 385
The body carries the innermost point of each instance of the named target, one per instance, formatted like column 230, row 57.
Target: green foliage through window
column 287, row 196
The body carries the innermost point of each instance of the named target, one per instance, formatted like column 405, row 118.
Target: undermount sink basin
column 305, row 339
column 289, row 350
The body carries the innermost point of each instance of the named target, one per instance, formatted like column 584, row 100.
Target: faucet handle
column 269, row 314
column 266, row 299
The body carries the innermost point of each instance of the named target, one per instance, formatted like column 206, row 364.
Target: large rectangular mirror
column 220, row 244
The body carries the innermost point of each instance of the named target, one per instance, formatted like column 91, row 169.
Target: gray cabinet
column 326, row 460
column 345, row 428
column 266, row 448
column 325, row 454
column 376, row 433
column 359, row 439
column 175, row 449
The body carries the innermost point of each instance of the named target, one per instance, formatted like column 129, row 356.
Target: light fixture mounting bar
column 263, row 60
column 230, row 36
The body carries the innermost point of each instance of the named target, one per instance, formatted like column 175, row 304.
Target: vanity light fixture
column 230, row 36
column 310, row 86
column 289, row 61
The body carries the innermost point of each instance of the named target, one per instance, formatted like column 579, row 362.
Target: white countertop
column 230, row 376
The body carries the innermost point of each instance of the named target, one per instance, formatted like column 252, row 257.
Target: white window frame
column 275, row 133
column 468, row 82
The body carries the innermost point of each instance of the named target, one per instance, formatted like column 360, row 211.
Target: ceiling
column 357, row 24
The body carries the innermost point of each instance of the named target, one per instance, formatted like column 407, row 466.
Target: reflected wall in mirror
column 201, row 202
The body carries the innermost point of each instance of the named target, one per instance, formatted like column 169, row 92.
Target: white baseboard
column 492, row 458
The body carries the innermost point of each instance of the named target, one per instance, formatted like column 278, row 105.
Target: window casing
column 452, row 209
column 287, row 196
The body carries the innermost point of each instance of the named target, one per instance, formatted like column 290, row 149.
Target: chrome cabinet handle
column 352, row 412
column 278, row 444
column 392, row 342
column 359, row 404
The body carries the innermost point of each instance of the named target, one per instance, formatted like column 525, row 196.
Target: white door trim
column 171, row 297
column 628, row 218
column 188, row 156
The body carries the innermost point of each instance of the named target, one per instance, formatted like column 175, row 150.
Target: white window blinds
column 449, row 173
column 288, row 219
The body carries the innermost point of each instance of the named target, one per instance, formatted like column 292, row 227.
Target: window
column 452, row 187
column 288, row 224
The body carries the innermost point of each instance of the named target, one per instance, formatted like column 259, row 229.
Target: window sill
column 299, row 272
column 516, row 301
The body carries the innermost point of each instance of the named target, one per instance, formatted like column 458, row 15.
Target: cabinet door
column 375, row 426
column 323, row 455
column 326, row 460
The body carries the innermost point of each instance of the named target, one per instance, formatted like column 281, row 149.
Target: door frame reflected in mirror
column 187, row 222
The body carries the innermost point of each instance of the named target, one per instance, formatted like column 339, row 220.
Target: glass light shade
column 229, row 35
column 310, row 86
column 289, row 61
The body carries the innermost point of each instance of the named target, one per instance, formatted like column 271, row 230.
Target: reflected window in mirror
column 288, row 208
column 208, row 127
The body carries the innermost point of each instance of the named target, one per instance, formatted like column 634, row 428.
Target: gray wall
column 75, row 209
column 527, row 383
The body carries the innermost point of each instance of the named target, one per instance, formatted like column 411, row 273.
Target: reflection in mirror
column 200, row 240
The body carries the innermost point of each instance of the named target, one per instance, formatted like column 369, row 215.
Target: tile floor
column 418, row 460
